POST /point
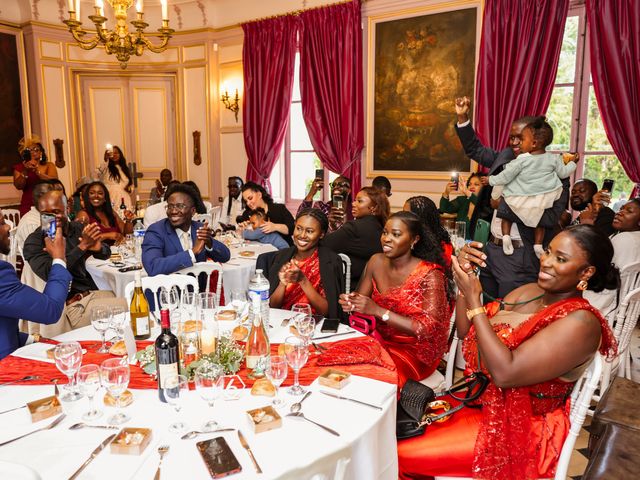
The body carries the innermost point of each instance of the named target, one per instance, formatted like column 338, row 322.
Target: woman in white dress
column 115, row 175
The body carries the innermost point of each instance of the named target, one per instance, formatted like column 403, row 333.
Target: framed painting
column 14, row 109
column 418, row 62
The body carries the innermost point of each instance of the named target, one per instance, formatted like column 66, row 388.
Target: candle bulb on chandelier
column 72, row 6
column 100, row 7
column 78, row 10
column 139, row 6
column 165, row 10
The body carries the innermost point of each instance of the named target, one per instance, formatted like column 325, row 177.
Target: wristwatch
column 385, row 316
column 474, row 312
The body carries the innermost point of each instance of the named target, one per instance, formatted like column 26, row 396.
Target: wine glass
column 299, row 310
column 277, row 373
column 68, row 358
column 208, row 378
column 297, row 353
column 189, row 305
column 169, row 298
column 100, row 321
column 306, row 326
column 461, row 235
column 89, row 383
column 238, row 301
column 175, row 390
column 115, row 378
column 117, row 320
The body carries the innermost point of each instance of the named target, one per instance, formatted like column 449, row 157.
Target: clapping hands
column 291, row 273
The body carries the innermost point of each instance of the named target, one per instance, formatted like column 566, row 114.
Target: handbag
column 365, row 324
column 416, row 400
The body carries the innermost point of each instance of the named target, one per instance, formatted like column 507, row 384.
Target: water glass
column 297, row 354
column 190, row 337
column 208, row 379
column 175, row 391
column 117, row 321
column 301, row 308
column 89, row 383
column 68, row 358
column 238, row 301
column 189, row 305
column 277, row 373
column 306, row 326
column 100, row 321
column 115, row 378
column 461, row 235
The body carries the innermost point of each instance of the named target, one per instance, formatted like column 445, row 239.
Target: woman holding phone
column 116, row 176
column 463, row 205
column 33, row 169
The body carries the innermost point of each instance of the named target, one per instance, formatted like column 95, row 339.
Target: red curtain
column 519, row 54
column 614, row 36
column 268, row 56
column 331, row 86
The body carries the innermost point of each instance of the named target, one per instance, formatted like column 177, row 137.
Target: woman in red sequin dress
column 534, row 350
column 406, row 288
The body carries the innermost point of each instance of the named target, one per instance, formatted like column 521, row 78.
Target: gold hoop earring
column 582, row 285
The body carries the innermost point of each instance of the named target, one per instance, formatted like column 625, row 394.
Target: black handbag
column 416, row 400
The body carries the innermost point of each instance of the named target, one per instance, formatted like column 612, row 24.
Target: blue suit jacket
column 162, row 252
column 20, row 301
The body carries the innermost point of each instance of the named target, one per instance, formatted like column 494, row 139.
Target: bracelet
column 474, row 312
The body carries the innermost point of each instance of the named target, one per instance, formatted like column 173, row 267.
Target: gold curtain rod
column 298, row 12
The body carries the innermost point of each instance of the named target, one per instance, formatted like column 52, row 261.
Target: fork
column 162, row 450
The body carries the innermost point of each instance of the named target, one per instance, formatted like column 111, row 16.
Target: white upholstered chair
column 205, row 268
column 158, row 282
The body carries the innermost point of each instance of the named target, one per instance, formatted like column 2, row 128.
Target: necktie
column 185, row 239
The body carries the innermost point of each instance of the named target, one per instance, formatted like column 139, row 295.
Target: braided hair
column 427, row 211
column 316, row 214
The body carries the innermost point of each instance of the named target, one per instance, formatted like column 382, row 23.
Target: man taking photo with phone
column 338, row 209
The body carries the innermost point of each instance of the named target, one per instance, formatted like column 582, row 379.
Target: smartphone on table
column 330, row 325
column 454, row 179
column 48, row 225
column 218, row 457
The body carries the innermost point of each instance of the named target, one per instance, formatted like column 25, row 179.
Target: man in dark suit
column 20, row 301
column 592, row 205
column 178, row 242
column 503, row 272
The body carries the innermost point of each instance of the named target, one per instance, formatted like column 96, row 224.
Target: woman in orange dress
column 534, row 350
column 406, row 288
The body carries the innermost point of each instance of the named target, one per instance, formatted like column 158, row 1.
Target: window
column 295, row 170
column 574, row 115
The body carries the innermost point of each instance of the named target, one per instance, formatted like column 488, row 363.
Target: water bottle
column 138, row 237
column 259, row 285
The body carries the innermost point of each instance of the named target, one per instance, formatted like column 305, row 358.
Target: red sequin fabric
column 294, row 293
column 422, row 298
column 523, row 428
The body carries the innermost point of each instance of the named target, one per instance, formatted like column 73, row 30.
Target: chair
column 626, row 320
column 216, row 214
column 450, row 356
column 205, row 268
column 629, row 280
column 155, row 284
column 13, row 252
column 12, row 214
column 203, row 218
column 346, row 268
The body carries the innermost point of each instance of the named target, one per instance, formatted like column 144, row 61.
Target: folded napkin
column 363, row 350
column 35, row 351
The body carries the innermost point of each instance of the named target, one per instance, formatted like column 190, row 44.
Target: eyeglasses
column 340, row 185
column 177, row 206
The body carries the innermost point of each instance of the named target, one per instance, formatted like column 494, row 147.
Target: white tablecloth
column 236, row 273
column 298, row 450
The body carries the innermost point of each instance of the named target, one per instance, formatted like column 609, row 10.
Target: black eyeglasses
column 177, row 206
column 340, row 185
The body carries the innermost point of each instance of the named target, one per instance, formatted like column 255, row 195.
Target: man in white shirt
column 232, row 206
column 30, row 221
column 158, row 211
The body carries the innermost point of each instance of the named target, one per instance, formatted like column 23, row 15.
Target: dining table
column 236, row 273
column 298, row 450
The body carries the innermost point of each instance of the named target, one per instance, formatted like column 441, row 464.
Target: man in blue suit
column 177, row 241
column 20, row 301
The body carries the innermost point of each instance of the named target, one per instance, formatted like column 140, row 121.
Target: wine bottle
column 139, row 312
column 258, row 349
column 166, row 353
column 123, row 207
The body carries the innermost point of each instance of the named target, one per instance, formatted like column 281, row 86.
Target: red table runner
column 375, row 363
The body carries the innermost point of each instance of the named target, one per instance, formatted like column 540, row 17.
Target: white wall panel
column 106, row 108
column 150, row 116
column 234, row 156
column 195, row 117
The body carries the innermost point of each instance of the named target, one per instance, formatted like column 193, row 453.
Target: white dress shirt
column 236, row 210
column 27, row 225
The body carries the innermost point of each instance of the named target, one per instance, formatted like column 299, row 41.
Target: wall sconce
column 232, row 104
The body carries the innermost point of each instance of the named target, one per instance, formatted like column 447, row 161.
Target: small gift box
column 44, row 408
column 333, row 378
column 131, row 441
column 264, row 419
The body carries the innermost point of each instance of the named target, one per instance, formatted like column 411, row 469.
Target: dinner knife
column 246, row 446
column 48, row 427
column 340, row 397
column 335, row 335
column 93, row 455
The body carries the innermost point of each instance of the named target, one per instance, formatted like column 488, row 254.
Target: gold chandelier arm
column 85, row 44
column 155, row 48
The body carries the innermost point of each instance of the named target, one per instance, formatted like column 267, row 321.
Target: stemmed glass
column 238, row 302
column 170, row 298
column 68, row 357
column 277, row 373
column 89, row 383
column 306, row 326
column 189, row 305
column 461, row 235
column 100, row 321
column 208, row 378
column 175, row 390
column 117, row 320
column 297, row 353
column 300, row 310
column 115, row 378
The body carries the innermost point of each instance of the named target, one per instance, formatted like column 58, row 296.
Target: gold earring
column 582, row 285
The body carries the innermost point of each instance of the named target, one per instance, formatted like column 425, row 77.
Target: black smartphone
column 218, row 457
column 330, row 325
column 338, row 201
column 454, row 179
column 607, row 184
column 48, row 225
column 130, row 269
column 319, row 173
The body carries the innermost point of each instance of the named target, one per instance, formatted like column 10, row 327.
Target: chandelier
column 119, row 41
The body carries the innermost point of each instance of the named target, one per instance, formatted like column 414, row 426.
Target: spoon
column 295, row 407
column 78, row 426
column 28, row 378
column 195, row 433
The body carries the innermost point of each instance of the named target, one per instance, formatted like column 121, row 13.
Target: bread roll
column 264, row 388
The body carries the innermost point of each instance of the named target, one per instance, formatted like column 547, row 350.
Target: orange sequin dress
column 422, row 298
column 519, row 432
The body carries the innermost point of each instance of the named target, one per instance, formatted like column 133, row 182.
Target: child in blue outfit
column 531, row 183
column 257, row 218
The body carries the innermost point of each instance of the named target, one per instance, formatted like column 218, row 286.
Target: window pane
column 299, row 136
column 596, row 137
column 599, row 167
column 295, row 94
column 567, row 62
column 276, row 179
column 303, row 172
column 560, row 115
